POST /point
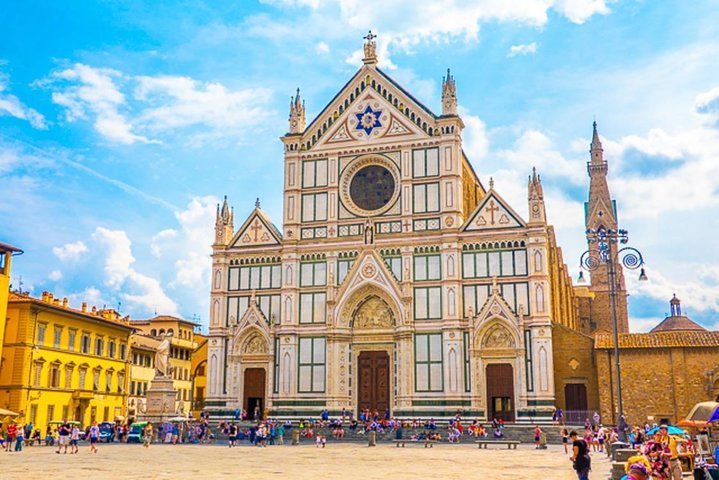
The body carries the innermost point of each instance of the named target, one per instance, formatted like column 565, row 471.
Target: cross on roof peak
column 370, row 36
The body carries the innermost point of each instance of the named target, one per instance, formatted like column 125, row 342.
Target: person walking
column 147, row 435
column 670, row 443
column 20, row 438
column 580, row 456
column 63, row 439
column 94, row 437
column 74, row 439
column 565, row 439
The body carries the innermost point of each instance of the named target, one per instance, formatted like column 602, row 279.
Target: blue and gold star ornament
column 368, row 120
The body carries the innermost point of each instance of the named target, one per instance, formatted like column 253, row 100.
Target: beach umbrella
column 8, row 413
column 691, row 423
column 714, row 417
column 671, row 430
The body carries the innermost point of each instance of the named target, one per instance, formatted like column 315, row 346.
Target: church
column 397, row 279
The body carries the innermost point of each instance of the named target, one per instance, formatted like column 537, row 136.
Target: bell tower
column 601, row 213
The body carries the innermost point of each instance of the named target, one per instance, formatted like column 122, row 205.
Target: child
column 321, row 440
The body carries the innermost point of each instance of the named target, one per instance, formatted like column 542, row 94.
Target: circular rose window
column 369, row 186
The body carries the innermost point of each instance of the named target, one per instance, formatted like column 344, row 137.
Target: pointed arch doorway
column 500, row 391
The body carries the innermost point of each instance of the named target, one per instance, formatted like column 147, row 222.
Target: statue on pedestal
column 162, row 357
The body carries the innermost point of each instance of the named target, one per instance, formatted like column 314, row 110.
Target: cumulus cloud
column 707, row 103
column 322, row 48
column 70, row 252
column 523, row 49
column 55, row 275
column 137, row 289
column 12, row 106
column 700, row 294
column 579, row 11
column 475, row 141
column 156, row 105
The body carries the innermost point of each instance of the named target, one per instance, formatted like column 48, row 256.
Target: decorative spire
column 449, row 95
column 297, row 114
column 370, row 49
column 257, row 202
column 535, row 197
column 491, row 183
column 224, row 223
column 676, row 306
column 595, row 148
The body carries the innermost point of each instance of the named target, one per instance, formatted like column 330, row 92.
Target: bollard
column 295, row 436
column 372, row 439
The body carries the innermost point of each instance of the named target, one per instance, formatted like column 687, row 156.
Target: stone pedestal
column 160, row 406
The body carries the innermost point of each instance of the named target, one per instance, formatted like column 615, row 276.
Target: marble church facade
column 397, row 281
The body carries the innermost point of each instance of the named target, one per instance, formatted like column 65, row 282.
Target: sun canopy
column 671, row 430
column 7, row 413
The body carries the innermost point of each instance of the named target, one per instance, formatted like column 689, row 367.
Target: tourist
column 596, row 418
column 19, row 437
column 600, row 438
column 232, row 434
column 280, row 435
column 147, row 435
column 637, row 471
column 94, row 437
column 74, row 439
column 580, row 456
column 11, row 435
column 63, row 436
column 537, row 436
column 670, row 443
column 565, row 439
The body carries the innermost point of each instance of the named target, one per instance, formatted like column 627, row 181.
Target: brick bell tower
column 600, row 211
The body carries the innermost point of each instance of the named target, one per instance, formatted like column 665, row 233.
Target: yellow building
column 182, row 344
column 6, row 253
column 63, row 363
column 142, row 372
column 199, row 375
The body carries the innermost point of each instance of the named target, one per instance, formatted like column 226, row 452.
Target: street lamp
column 605, row 254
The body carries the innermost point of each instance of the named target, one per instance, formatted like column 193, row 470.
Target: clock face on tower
column 369, row 186
column 372, row 187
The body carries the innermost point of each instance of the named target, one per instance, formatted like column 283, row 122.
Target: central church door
column 254, row 393
column 500, row 391
column 373, row 373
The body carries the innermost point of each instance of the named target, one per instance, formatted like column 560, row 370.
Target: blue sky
column 123, row 123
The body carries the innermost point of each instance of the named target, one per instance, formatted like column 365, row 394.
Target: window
column 425, row 163
column 312, row 307
column 99, row 346
column 85, row 343
column 259, row 277
column 516, row 295
column 37, row 371
column 123, row 351
column 81, row 382
column 314, row 173
column 504, row 263
column 427, row 267
column 312, row 365
column 314, row 207
column 428, row 362
column 108, row 380
column 68, row 377
column 313, row 274
column 96, row 379
column 53, row 378
column 275, row 368
column 41, row 328
column 528, row 360
column 394, row 263
column 120, row 382
column 426, row 197
column 50, row 413
column 33, row 414
column 57, row 337
column 270, row 307
column 106, row 414
column 71, row 335
column 427, row 303
column 111, row 345
column 467, row 372
column 132, row 387
column 343, row 267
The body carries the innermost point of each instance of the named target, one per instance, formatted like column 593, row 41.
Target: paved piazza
column 340, row 461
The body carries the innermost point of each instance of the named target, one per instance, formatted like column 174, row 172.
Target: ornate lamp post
column 609, row 255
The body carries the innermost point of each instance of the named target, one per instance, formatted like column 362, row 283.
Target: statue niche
column 373, row 313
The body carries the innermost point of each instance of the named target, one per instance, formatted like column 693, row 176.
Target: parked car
column 107, row 431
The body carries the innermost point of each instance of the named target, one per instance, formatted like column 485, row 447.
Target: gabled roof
column 493, row 212
column 258, row 229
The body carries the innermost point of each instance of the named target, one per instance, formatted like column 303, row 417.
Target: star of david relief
column 368, row 120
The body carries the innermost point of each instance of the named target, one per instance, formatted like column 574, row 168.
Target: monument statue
column 162, row 356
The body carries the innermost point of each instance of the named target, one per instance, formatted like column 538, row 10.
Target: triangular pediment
column 493, row 213
column 371, row 106
column 256, row 230
column 601, row 214
column 252, row 333
column 495, row 307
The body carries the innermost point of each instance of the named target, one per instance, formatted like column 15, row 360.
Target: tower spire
column 224, row 223
column 297, row 114
column 449, row 95
column 595, row 148
column 535, row 197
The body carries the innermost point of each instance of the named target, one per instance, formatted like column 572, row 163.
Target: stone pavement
column 336, row 461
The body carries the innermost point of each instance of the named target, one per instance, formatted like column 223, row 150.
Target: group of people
column 15, row 435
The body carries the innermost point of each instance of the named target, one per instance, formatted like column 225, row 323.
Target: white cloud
column 70, row 252
column 158, row 105
column 55, row 275
column 707, row 103
column 86, row 89
column 322, row 48
column 579, row 11
column 523, row 49
column 475, row 142
column 138, row 289
column 11, row 105
column 700, row 294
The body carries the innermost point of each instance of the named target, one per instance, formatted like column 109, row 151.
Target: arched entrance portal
column 500, row 391
column 254, row 392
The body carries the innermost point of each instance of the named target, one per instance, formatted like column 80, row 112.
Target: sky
column 122, row 124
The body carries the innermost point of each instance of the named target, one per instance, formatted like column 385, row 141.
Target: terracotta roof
column 6, row 247
column 686, row 338
column 677, row 323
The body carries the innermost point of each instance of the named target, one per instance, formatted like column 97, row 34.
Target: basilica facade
column 398, row 279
